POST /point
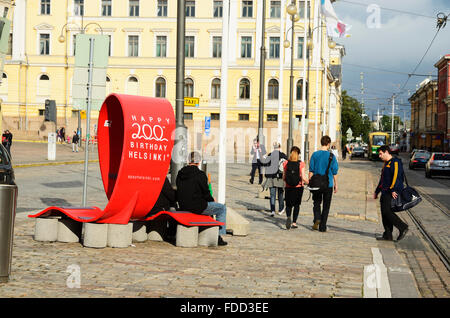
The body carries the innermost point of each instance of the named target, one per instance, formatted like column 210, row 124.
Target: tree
column 386, row 122
column 351, row 118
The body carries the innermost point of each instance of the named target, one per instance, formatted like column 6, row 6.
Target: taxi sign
column 82, row 114
column 191, row 101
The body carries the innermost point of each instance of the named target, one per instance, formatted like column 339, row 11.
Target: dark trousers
column 389, row 218
column 293, row 200
column 256, row 165
column 321, row 214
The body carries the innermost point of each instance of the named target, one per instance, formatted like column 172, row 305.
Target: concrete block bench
column 192, row 230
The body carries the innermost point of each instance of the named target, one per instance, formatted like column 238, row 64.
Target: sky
column 396, row 44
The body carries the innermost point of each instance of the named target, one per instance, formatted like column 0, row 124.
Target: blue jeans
column 273, row 197
column 220, row 211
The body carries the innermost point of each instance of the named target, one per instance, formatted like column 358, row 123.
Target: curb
column 28, row 165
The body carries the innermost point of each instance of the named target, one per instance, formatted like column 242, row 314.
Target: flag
column 335, row 27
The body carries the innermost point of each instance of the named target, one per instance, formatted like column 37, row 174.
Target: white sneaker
column 282, row 211
column 272, row 213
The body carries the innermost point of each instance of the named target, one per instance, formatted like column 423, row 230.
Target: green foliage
column 351, row 118
column 386, row 122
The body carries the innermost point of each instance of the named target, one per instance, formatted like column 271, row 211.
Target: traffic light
column 50, row 110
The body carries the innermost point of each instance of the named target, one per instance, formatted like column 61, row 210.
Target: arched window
column 188, row 87
column 244, row 89
column 4, row 85
column 44, row 85
column 215, row 88
column 160, row 87
column 272, row 92
column 133, row 86
column 299, row 90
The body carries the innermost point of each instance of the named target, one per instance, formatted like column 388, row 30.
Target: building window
column 244, row 89
column 74, row 44
column 78, row 7
column 272, row 117
column 133, row 45
column 274, row 47
column 217, row 46
column 215, row 116
column 106, row 8
column 247, row 9
column 161, row 46
column 134, row 8
column 162, row 8
column 189, row 46
column 190, row 8
column 217, row 9
column 301, row 9
column 272, row 92
column 44, row 85
column 275, row 9
column 44, row 44
column 215, row 88
column 45, row 7
column 300, row 43
column 188, row 87
column 133, row 86
column 160, row 89
column 4, row 85
column 188, row 116
column 244, row 117
column 299, row 90
column 246, row 47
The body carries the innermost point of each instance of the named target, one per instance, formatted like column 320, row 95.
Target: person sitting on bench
column 193, row 194
column 166, row 199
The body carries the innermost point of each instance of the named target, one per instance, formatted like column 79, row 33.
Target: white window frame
column 154, row 85
column 79, row 15
column 38, row 42
column 195, row 45
column 128, row 80
column 40, row 12
column 241, row 35
column 38, row 91
column 156, row 45
column 210, row 88
column 101, row 9
column 139, row 9
column 167, row 8
column 128, row 34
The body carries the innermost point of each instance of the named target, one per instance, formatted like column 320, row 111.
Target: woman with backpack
column 294, row 177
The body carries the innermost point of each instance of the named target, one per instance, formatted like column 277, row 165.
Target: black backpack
column 293, row 173
column 320, row 182
column 406, row 199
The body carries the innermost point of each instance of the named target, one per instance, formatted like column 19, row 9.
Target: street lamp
column 292, row 11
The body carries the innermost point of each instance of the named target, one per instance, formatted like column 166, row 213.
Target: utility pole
column 262, row 68
column 392, row 120
column 362, row 93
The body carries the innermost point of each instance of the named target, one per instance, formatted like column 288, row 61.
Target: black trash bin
column 8, row 201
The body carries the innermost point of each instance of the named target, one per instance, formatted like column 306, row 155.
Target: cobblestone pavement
column 270, row 262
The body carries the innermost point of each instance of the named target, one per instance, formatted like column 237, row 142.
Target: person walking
column 193, row 194
column 335, row 152
column 75, row 141
column 390, row 186
column 258, row 151
column 321, row 162
column 7, row 140
column 344, row 152
column 294, row 177
column 274, row 178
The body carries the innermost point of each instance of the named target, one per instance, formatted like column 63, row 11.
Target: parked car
column 357, row 152
column 438, row 165
column 415, row 151
column 395, row 149
column 419, row 160
column 6, row 169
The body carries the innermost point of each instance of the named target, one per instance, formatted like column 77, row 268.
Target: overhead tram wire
column 389, row 9
column 384, row 70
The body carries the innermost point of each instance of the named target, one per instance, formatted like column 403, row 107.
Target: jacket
column 262, row 152
column 392, row 176
column 272, row 164
column 166, row 199
column 193, row 192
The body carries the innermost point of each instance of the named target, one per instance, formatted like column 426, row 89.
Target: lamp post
column 262, row 67
column 292, row 11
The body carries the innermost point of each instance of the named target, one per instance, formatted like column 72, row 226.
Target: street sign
column 191, row 101
column 81, row 71
column 207, row 125
column 349, row 133
column 82, row 114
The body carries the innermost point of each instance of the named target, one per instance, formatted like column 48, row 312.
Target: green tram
column 376, row 139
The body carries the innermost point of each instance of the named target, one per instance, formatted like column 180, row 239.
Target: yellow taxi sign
column 82, row 114
column 191, row 101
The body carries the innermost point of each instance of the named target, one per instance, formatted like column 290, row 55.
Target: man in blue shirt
column 390, row 186
column 318, row 165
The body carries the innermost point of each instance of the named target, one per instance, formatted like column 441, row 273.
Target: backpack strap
column 329, row 163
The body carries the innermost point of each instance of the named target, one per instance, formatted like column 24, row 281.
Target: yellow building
column 142, row 61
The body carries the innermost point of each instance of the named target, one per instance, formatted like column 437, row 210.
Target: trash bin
column 8, row 200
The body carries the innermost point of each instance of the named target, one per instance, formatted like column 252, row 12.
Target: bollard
column 8, row 201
